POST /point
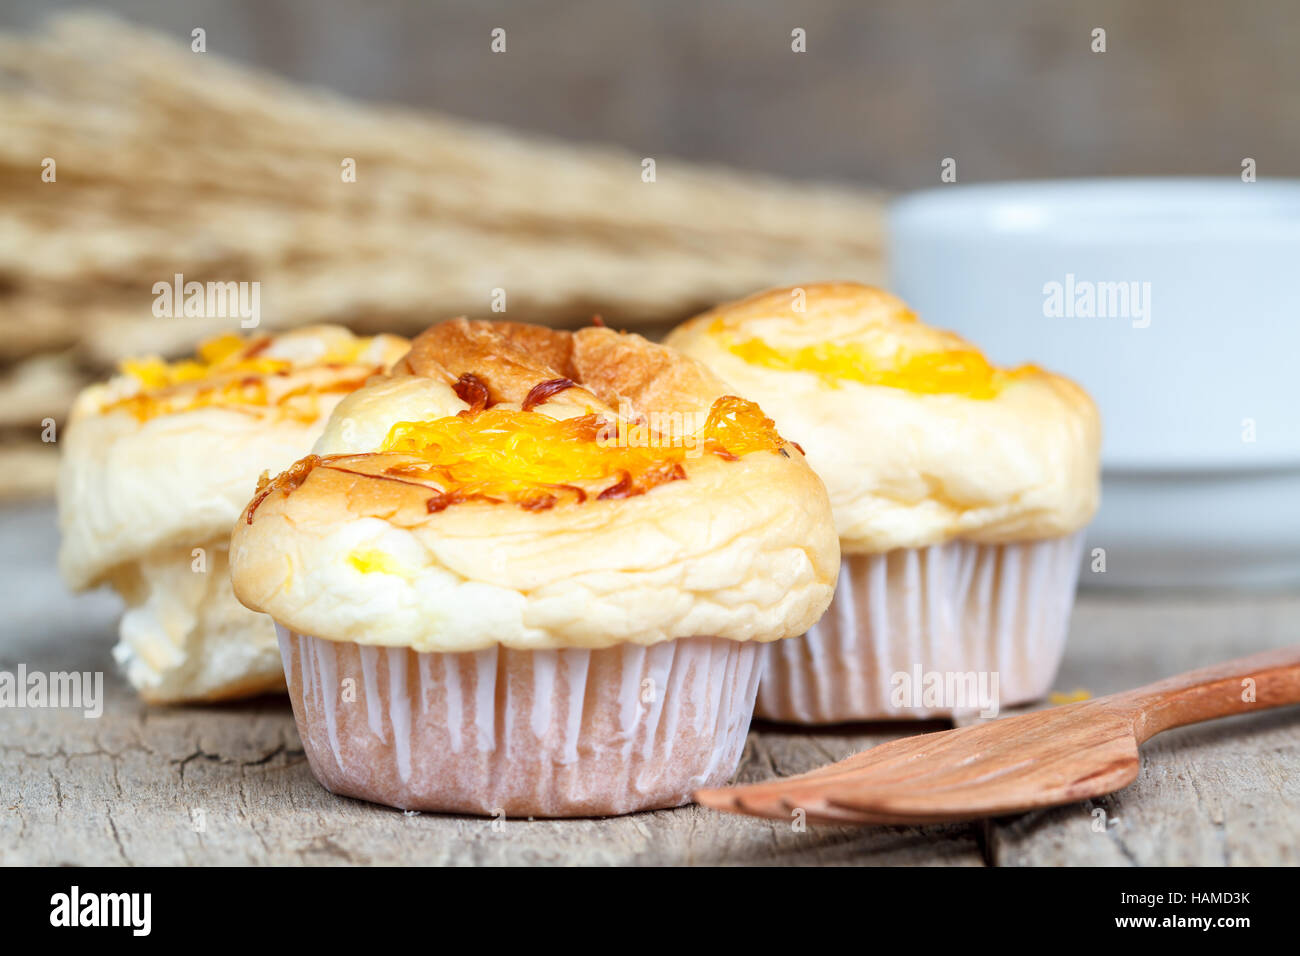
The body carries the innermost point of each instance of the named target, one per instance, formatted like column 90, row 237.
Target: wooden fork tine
column 843, row 797
column 777, row 799
column 821, row 811
column 768, row 803
column 765, row 797
column 739, row 800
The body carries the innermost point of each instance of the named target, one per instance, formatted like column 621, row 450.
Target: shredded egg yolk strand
column 224, row 354
column 237, row 375
column 535, row 461
column 963, row 372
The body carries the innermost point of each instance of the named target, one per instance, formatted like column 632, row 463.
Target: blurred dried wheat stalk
column 170, row 161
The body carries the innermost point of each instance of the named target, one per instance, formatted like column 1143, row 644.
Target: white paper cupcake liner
column 955, row 614
column 568, row 732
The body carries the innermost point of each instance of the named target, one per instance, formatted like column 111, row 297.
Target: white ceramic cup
column 1176, row 303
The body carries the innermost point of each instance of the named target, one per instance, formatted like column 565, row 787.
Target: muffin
column 157, row 464
column 959, row 491
column 529, row 572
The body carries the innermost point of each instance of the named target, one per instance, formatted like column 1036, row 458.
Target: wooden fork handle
column 1258, row 682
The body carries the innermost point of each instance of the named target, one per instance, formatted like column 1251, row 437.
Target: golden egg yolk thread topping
column 237, row 372
column 225, row 354
column 964, row 372
column 535, row 461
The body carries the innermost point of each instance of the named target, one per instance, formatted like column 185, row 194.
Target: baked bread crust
column 153, row 476
column 1016, row 458
column 743, row 548
column 128, row 485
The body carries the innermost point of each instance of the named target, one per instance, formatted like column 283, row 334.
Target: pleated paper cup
column 555, row 733
column 929, row 632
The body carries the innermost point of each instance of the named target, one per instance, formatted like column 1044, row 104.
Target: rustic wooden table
column 230, row 785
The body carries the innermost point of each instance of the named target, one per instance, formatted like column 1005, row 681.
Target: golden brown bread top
column 505, row 371
column 494, row 489
column 512, row 358
column 918, row 437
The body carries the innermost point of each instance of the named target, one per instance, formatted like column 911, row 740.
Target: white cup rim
column 1162, row 209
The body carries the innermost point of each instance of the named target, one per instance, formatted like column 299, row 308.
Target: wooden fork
column 1027, row 762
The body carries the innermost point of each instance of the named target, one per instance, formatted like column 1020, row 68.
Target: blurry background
column 523, row 171
column 886, row 89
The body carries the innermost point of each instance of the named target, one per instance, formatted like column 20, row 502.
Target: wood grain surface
column 230, row 785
